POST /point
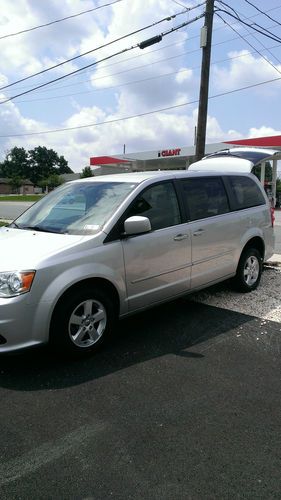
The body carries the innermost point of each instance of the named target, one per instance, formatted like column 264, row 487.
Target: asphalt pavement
column 184, row 404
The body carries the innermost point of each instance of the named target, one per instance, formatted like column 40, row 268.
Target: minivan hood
column 24, row 249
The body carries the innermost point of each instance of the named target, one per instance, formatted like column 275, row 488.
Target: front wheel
column 82, row 321
column 249, row 271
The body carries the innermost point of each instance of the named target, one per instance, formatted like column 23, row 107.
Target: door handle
column 199, row 232
column 180, row 237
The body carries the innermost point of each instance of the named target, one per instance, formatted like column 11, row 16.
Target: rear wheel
column 248, row 271
column 82, row 321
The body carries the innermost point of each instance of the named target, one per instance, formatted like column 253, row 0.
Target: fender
column 71, row 275
column 252, row 232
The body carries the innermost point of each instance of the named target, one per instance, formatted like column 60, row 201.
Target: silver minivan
column 100, row 248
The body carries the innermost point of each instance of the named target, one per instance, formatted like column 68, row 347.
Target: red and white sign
column 169, row 152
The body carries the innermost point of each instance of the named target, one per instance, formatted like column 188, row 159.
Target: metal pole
column 274, row 179
column 206, row 44
column 262, row 173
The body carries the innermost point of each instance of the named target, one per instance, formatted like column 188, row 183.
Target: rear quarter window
column 245, row 192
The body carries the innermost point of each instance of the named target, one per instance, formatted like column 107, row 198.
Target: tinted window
column 246, row 192
column 159, row 203
column 205, row 197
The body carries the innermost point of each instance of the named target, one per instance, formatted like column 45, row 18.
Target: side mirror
column 137, row 225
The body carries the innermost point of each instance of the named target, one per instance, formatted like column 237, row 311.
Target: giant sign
column 169, row 152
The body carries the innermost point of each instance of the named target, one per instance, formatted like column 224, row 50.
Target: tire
column 249, row 271
column 82, row 321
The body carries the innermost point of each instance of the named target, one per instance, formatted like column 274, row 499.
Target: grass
column 21, row 197
column 3, row 223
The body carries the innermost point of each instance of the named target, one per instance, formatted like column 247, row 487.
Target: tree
column 36, row 164
column 46, row 162
column 268, row 171
column 63, row 167
column 51, row 182
column 16, row 164
column 16, row 182
column 86, row 172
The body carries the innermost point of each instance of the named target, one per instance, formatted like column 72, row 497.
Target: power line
column 104, row 59
column 262, row 12
column 145, row 79
column 252, row 26
column 255, row 49
column 170, row 45
column 181, row 4
column 141, row 114
column 145, row 65
column 189, row 39
column 168, row 18
column 134, row 81
column 118, row 62
column 132, row 69
column 251, row 34
column 59, row 20
column 155, row 50
column 188, row 9
column 266, row 30
column 125, row 71
column 268, row 34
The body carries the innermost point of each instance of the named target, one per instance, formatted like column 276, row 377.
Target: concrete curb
column 272, row 264
column 275, row 260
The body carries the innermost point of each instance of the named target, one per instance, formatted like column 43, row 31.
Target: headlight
column 14, row 283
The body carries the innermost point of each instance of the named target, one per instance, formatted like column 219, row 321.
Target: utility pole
column 206, row 44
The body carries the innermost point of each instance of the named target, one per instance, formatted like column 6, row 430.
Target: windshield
column 75, row 208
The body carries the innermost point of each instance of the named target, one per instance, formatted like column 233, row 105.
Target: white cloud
column 184, row 75
column 263, row 132
column 147, row 133
column 243, row 70
column 30, row 52
column 137, row 77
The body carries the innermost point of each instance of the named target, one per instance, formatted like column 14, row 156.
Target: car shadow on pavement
column 179, row 328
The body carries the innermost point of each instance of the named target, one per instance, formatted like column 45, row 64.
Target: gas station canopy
column 254, row 151
column 181, row 157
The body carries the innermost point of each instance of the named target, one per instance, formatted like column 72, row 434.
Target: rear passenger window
column 246, row 192
column 205, row 197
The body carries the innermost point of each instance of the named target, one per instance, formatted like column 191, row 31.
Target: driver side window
column 159, row 203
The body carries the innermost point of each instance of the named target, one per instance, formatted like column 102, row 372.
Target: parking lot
column 185, row 403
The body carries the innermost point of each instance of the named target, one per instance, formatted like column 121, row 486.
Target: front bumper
column 17, row 324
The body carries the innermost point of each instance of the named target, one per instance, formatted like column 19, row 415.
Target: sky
column 103, row 103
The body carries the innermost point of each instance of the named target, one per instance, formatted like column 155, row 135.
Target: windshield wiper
column 37, row 228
